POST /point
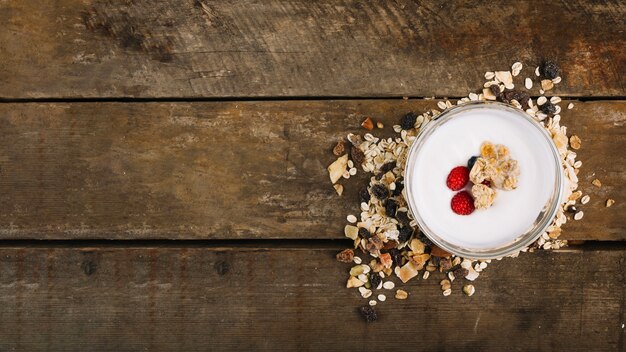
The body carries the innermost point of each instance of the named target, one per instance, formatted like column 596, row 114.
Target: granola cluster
column 385, row 230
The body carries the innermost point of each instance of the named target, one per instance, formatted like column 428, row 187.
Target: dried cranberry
column 405, row 234
column 374, row 280
column 391, row 206
column 364, row 195
column 379, row 191
column 548, row 108
column 368, row 313
column 387, row 167
column 364, row 233
column 549, row 69
column 358, row 157
column 408, row 121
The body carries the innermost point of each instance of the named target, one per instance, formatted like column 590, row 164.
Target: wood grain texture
column 128, row 299
column 228, row 170
column 203, row 48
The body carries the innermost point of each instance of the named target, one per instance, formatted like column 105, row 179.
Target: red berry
column 458, row 178
column 486, row 183
column 462, row 203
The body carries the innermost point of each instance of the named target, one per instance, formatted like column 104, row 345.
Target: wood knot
column 222, row 267
column 89, row 267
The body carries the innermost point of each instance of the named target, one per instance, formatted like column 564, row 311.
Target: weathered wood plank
column 122, row 299
column 226, row 170
column 204, row 48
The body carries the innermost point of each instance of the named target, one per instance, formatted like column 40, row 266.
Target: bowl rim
column 523, row 240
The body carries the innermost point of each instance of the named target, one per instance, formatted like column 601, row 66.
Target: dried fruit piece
column 391, row 206
column 339, row 148
column 337, row 168
column 457, row 178
column 368, row 124
column 375, row 280
column 345, row 256
column 406, row 272
column 338, row 188
column 462, row 203
column 380, row 191
column 368, row 313
column 405, row 233
column 547, row 84
column 408, row 121
column 548, row 108
column 352, row 232
column 354, row 282
column 357, row 155
column 438, row 252
column 549, row 69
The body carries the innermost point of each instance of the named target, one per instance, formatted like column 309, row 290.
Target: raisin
column 358, row 157
column 571, row 209
column 548, row 108
column 399, row 188
column 387, row 167
column 408, row 121
column 405, row 234
column 521, row 97
column 403, row 217
column 364, row 195
column 379, row 191
column 391, row 206
column 471, row 162
column 396, row 256
column 549, row 69
column 379, row 176
column 364, row 233
column 368, row 313
column 495, row 89
column 374, row 280
column 460, row 272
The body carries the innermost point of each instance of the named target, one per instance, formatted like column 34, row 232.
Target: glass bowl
column 535, row 221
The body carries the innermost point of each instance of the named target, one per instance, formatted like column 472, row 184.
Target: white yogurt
column 452, row 144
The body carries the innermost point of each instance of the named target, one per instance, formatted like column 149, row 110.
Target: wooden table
column 163, row 182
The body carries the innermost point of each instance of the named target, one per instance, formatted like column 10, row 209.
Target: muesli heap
column 385, row 231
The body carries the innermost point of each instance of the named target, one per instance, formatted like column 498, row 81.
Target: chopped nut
column 340, row 148
column 338, row 188
column 417, row 246
column 596, row 183
column 402, row 294
column 385, row 260
column 380, row 125
column 345, row 256
column 368, row 124
column 547, row 84
column 469, row 289
column 574, row 142
column 337, row 168
column 610, row 202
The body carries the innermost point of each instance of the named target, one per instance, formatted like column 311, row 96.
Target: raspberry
column 462, row 203
column 458, row 178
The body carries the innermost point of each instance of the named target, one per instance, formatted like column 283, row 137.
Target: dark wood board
column 228, row 170
column 126, row 299
column 203, row 48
